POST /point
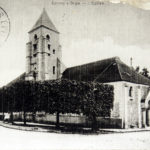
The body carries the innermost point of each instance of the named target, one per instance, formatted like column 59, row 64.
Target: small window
column 130, row 91
column 48, row 54
column 35, row 46
column 35, row 37
column 53, row 69
column 49, row 46
column 53, row 51
column 47, row 37
column 34, row 75
column 34, row 55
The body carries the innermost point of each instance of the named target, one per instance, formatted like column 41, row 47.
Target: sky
column 89, row 31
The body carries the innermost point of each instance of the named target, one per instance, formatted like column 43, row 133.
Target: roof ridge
column 115, row 57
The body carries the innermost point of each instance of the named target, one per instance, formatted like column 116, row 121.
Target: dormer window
column 47, row 37
column 131, row 91
column 35, row 37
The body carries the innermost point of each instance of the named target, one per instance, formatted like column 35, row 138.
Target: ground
column 11, row 139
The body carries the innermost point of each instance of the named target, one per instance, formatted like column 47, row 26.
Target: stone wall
column 128, row 107
column 70, row 119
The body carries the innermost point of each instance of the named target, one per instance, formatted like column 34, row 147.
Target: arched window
column 130, row 91
column 47, row 37
column 35, row 37
column 53, row 69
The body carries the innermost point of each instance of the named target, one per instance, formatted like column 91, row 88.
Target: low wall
column 42, row 117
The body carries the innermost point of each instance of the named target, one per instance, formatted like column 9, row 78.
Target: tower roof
column 44, row 21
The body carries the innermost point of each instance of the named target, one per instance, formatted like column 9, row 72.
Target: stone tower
column 43, row 51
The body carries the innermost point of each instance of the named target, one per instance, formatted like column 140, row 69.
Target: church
column 131, row 104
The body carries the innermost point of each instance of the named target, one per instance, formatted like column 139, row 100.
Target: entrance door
column 143, row 118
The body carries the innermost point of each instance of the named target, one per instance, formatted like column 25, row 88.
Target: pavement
column 11, row 139
column 51, row 128
column 127, row 130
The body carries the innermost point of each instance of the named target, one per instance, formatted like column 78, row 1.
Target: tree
column 137, row 69
column 145, row 72
column 59, row 96
column 98, row 101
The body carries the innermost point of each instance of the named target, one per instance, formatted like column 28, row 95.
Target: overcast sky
column 88, row 32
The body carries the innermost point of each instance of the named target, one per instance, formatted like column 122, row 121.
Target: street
column 11, row 139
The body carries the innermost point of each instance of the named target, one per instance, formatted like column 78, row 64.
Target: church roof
column 104, row 71
column 19, row 78
column 44, row 21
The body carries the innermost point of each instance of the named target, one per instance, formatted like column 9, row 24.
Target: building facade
column 43, row 51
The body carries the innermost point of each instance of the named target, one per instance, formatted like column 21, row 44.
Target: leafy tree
column 59, row 96
column 137, row 69
column 145, row 72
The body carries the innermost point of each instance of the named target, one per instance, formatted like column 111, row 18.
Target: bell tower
column 43, row 51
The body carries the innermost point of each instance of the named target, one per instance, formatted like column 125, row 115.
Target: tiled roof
column 104, row 71
column 44, row 21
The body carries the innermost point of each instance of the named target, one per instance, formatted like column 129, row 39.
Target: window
column 35, row 37
column 47, row 37
column 53, row 51
column 34, row 55
column 49, row 46
column 48, row 54
column 53, row 69
column 35, row 46
column 130, row 91
column 34, row 75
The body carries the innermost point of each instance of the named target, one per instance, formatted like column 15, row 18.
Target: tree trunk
column 57, row 120
column 11, row 117
column 33, row 116
column 24, row 117
column 94, row 123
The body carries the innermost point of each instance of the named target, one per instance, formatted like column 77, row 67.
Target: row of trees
column 58, row 96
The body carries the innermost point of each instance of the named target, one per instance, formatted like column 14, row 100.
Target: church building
column 131, row 104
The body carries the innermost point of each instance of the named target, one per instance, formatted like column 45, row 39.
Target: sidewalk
column 29, row 127
column 37, row 127
column 127, row 130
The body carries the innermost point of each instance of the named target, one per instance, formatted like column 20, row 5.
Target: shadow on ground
column 73, row 129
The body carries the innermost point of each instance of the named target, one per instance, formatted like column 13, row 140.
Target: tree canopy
column 58, row 96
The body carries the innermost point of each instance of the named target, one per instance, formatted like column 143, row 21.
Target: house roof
column 104, row 71
column 44, row 21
